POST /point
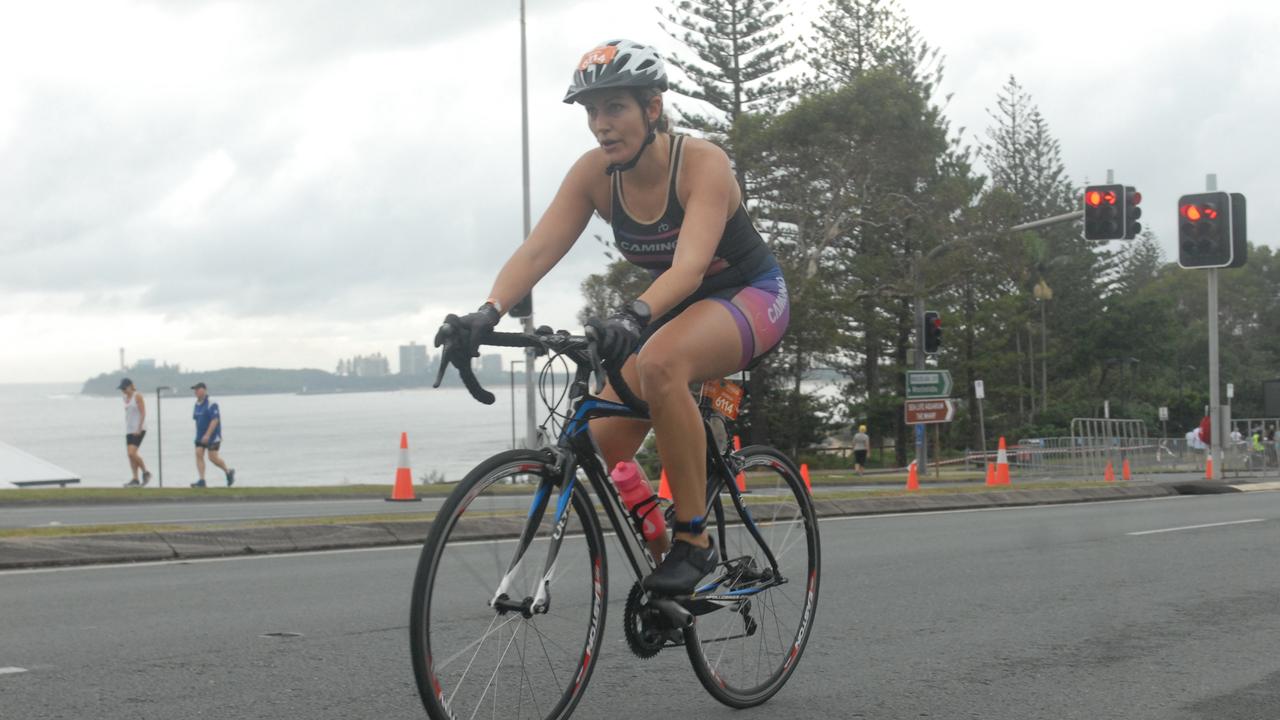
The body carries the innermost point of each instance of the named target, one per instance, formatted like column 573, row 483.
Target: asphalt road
column 1047, row 612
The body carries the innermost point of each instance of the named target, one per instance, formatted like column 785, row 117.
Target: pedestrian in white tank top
column 135, row 428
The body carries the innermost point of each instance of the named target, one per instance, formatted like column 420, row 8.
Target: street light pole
column 160, row 435
column 531, row 408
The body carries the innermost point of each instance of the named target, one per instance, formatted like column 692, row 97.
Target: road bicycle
column 509, row 600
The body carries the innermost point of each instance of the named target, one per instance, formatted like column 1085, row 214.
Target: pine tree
column 855, row 36
column 739, row 49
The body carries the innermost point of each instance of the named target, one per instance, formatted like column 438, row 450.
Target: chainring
column 646, row 629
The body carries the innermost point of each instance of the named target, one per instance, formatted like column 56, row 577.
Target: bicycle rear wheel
column 473, row 660
column 744, row 652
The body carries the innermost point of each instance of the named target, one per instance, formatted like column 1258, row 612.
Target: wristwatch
column 640, row 310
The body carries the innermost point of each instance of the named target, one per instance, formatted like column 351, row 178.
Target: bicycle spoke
column 746, row 651
column 505, row 664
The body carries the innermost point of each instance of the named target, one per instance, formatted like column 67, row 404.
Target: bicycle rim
column 471, row 661
column 744, row 652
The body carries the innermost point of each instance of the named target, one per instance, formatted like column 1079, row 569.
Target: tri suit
column 743, row 275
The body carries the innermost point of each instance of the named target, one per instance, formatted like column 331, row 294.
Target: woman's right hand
column 470, row 330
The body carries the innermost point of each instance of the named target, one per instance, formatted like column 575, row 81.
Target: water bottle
column 636, row 493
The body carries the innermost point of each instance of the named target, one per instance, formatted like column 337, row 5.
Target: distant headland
column 147, row 377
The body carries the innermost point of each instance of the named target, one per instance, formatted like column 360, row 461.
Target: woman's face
column 617, row 123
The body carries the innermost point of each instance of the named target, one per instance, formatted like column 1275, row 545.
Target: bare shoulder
column 706, row 167
column 588, row 177
column 705, row 155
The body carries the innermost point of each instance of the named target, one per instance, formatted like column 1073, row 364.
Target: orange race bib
column 600, row 56
column 725, row 396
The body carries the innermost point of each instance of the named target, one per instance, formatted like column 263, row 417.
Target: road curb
column 38, row 552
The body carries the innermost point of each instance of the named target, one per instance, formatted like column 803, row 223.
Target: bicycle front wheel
column 744, row 652
column 473, row 657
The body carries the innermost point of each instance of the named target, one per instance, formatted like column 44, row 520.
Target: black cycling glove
column 618, row 336
column 470, row 330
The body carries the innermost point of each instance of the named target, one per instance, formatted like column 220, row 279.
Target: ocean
column 269, row 439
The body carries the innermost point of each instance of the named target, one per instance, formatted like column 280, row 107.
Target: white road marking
column 1197, row 527
column 11, row 670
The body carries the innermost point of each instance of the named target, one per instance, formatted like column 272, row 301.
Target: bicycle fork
column 540, row 600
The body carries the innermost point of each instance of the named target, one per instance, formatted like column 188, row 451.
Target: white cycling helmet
column 618, row 64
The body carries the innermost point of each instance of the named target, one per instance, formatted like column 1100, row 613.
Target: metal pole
column 512, row 368
column 160, row 436
column 531, row 410
column 1216, row 434
column 921, row 439
column 982, row 429
column 1043, row 222
column 1044, row 360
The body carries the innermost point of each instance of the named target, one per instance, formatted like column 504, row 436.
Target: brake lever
column 594, row 354
column 445, row 330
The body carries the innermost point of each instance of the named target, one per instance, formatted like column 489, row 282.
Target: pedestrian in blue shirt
column 208, row 435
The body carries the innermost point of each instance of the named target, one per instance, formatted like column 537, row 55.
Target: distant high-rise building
column 374, row 365
column 413, row 359
column 146, row 364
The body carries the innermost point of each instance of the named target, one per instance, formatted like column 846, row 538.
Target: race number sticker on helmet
column 617, row 64
column 602, row 55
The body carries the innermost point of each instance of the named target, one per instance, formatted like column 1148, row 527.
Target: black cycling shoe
column 683, row 567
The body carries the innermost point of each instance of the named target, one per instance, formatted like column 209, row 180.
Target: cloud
column 223, row 183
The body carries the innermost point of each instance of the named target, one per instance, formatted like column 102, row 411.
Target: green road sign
column 928, row 383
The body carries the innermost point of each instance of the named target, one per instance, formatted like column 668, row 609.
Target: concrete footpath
column 165, row 544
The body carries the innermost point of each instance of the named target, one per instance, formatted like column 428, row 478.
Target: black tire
column 744, row 654
column 466, row 554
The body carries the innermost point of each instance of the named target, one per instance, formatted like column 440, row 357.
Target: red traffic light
column 1095, row 198
column 1191, row 212
column 1136, row 197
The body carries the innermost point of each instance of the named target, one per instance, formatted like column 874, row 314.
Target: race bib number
column 599, row 56
column 725, row 396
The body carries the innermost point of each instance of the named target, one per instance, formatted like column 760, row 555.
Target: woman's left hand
column 617, row 336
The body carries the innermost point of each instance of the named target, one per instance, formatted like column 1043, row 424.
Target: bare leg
column 701, row 343
column 217, row 460
column 619, row 438
column 200, row 462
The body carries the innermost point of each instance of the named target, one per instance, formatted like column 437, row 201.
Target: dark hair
column 644, row 96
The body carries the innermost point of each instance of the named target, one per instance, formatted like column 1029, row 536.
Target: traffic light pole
column 1216, row 434
column 921, row 439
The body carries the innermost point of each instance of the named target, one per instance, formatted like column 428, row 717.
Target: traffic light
column 932, row 332
column 1104, row 207
column 1132, row 212
column 1239, row 238
column 524, row 308
column 1204, row 230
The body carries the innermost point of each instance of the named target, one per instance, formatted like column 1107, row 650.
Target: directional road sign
column 934, row 410
column 928, row 383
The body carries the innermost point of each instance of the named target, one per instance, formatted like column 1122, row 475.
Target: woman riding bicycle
column 717, row 301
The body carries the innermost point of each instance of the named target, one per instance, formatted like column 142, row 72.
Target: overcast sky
column 286, row 183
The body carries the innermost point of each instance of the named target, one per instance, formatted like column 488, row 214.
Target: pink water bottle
column 638, row 497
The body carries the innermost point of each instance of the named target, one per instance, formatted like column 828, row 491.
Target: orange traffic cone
column 1124, row 471
column 913, row 481
column 403, row 490
column 1002, row 464
column 742, row 477
column 1208, row 467
column 804, row 475
column 991, row 472
column 1109, row 474
column 664, row 488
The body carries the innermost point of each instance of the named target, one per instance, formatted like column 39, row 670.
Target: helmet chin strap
column 649, row 137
